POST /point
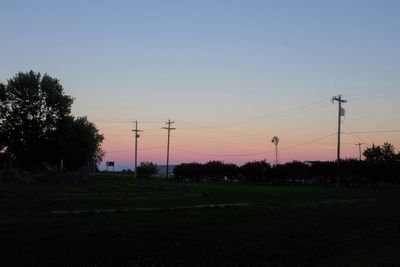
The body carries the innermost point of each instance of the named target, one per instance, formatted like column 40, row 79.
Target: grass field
column 127, row 222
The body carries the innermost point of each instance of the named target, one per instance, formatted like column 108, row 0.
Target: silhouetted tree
column 388, row 152
column 373, row 153
column 384, row 153
column 193, row 171
column 36, row 126
column 211, row 171
column 255, row 171
column 2, row 114
column 219, row 171
column 76, row 141
column 146, row 169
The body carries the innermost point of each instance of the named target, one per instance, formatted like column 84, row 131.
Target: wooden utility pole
column 340, row 114
column 359, row 149
column 137, row 135
column 169, row 128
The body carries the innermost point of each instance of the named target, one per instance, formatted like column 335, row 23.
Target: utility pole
column 340, row 114
column 359, row 148
column 169, row 128
column 136, row 130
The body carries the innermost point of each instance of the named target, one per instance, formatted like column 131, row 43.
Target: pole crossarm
column 339, row 99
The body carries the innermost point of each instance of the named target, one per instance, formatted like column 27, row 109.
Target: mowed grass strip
column 77, row 212
column 282, row 226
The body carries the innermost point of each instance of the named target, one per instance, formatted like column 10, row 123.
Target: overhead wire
column 131, row 150
column 253, row 154
column 219, row 126
column 355, row 134
column 308, row 142
column 370, row 132
column 294, row 110
column 374, row 92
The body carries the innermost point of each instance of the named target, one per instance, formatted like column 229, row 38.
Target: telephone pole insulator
column 169, row 129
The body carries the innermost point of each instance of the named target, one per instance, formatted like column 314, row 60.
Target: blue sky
column 207, row 63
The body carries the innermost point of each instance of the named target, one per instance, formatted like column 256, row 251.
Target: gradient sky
column 231, row 74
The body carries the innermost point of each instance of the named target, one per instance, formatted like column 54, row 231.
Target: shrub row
column 351, row 173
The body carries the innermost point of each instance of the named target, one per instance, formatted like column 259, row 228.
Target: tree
column 384, row 153
column 373, row 153
column 146, row 169
column 36, row 126
column 2, row 111
column 218, row 170
column 76, row 141
column 388, row 152
column 255, row 171
column 194, row 171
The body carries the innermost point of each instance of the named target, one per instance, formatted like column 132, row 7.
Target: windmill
column 275, row 141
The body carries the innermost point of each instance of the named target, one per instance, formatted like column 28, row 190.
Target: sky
column 230, row 74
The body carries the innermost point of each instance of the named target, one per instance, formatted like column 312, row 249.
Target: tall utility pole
column 359, row 148
column 340, row 114
column 136, row 131
column 169, row 128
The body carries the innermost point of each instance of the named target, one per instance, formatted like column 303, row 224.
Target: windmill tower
column 275, row 141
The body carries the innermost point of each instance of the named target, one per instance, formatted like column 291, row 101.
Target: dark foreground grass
column 282, row 226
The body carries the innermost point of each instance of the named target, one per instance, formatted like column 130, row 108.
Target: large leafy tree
column 35, row 119
column 76, row 141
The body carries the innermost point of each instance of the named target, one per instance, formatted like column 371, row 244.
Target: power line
column 214, row 141
column 294, row 110
column 256, row 153
column 376, row 96
column 374, row 92
column 259, row 153
column 308, row 142
column 131, row 150
column 124, row 121
column 111, row 121
column 362, row 140
column 369, row 132
column 220, row 155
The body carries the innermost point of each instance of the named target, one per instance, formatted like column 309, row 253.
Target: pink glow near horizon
column 231, row 76
column 120, row 149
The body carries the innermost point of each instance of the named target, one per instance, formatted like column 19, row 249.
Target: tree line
column 381, row 166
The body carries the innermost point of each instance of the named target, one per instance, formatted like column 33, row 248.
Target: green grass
column 282, row 226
